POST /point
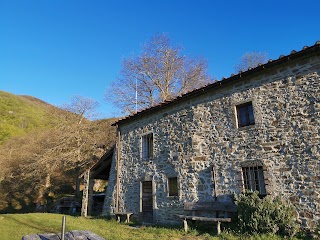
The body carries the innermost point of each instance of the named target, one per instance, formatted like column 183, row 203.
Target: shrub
column 317, row 232
column 268, row 215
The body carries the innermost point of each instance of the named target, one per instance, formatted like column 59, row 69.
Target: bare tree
column 83, row 107
column 251, row 60
column 49, row 159
column 159, row 73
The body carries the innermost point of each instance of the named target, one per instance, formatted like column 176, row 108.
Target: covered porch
column 98, row 171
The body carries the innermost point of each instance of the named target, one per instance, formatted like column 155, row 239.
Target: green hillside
column 46, row 148
column 21, row 114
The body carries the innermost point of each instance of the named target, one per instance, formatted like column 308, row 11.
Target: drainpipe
column 118, row 168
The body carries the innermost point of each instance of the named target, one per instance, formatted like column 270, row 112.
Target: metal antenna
column 136, row 95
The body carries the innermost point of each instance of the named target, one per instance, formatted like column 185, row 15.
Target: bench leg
column 185, row 225
column 218, row 228
column 118, row 219
column 128, row 218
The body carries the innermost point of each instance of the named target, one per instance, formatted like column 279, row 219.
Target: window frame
column 171, row 193
column 245, row 110
column 147, row 142
column 253, row 178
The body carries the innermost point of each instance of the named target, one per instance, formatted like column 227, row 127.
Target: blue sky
column 55, row 49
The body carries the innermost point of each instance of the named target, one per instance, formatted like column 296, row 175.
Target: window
column 147, row 146
column 245, row 114
column 253, row 179
column 172, row 186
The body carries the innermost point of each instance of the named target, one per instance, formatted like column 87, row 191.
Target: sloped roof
column 101, row 168
column 218, row 84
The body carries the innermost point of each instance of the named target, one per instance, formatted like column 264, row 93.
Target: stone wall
column 193, row 137
column 109, row 205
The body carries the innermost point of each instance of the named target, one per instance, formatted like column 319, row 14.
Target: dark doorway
column 147, row 202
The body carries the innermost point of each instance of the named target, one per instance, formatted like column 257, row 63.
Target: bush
column 317, row 232
column 268, row 215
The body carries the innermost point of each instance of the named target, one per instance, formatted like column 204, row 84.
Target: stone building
column 258, row 130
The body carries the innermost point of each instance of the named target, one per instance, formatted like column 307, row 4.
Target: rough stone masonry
column 197, row 139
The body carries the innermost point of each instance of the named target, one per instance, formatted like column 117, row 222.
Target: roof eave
column 306, row 51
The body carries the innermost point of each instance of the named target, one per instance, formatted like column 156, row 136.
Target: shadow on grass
column 195, row 228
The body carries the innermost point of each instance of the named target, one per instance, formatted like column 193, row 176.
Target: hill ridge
column 20, row 114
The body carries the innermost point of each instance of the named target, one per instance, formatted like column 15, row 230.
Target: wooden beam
column 210, row 206
column 204, row 219
column 85, row 197
column 214, row 176
column 118, row 168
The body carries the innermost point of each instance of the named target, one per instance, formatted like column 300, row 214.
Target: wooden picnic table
column 72, row 235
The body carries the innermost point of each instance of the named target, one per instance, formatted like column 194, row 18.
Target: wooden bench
column 198, row 210
column 121, row 214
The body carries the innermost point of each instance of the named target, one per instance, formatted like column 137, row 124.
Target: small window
column 172, row 186
column 245, row 114
column 253, row 179
column 147, row 146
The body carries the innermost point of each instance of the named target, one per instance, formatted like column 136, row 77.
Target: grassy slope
column 14, row 226
column 22, row 114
